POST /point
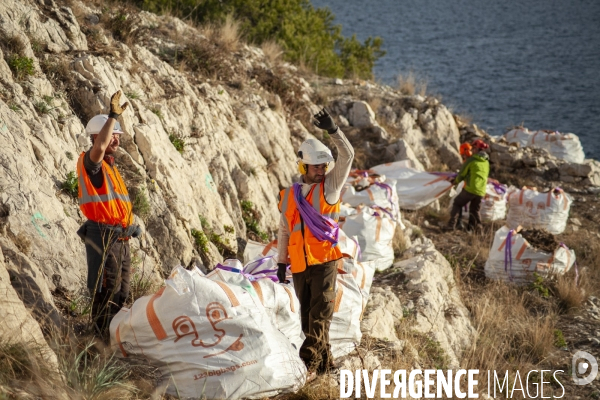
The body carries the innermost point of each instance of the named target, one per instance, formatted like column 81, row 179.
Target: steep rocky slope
column 210, row 140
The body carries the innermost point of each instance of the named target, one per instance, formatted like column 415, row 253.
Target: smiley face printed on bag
column 216, row 313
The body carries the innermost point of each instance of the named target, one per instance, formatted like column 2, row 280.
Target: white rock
column 360, row 115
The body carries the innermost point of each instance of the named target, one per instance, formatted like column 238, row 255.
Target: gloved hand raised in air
column 281, row 270
column 324, row 121
column 115, row 108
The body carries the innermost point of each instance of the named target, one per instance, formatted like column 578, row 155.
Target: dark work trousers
column 109, row 269
column 315, row 288
column 462, row 200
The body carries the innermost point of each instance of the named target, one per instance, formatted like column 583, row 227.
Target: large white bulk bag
column 344, row 331
column 363, row 273
column 254, row 250
column 415, row 189
column 519, row 135
column 375, row 232
column 532, row 209
column 378, row 194
column 564, row 146
column 348, row 245
column 211, row 337
column 493, row 204
column 519, row 263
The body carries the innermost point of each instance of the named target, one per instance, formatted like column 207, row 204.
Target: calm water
column 502, row 62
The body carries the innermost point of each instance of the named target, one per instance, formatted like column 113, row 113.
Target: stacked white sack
column 375, row 232
column 564, row 146
column 524, row 260
column 351, row 293
column 532, row 209
column 211, row 338
column 344, row 331
column 415, row 189
column 493, row 204
column 380, row 194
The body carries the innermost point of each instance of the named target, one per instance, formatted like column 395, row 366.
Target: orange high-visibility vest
column 304, row 249
column 109, row 204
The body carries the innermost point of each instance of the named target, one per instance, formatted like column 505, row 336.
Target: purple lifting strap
column 508, row 255
column 322, row 227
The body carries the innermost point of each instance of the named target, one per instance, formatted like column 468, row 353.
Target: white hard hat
column 313, row 152
column 95, row 125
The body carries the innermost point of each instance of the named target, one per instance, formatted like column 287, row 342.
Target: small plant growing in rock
column 71, row 185
column 201, row 240
column 15, row 107
column 250, row 217
column 141, row 204
column 229, row 229
column 559, row 339
column 204, row 222
column 539, row 285
column 69, row 155
column 21, row 66
column 23, row 243
column 177, row 142
column 158, row 113
column 132, row 95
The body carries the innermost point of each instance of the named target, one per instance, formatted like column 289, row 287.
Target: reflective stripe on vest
column 108, row 204
column 304, row 249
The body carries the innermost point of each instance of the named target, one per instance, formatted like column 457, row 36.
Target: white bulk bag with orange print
column 344, row 331
column 254, row 250
column 348, row 245
column 378, row 194
column 532, row 209
column 279, row 299
column 363, row 273
column 211, row 337
column 375, row 232
column 415, row 189
column 522, row 136
column 564, row 146
column 493, row 204
column 519, row 261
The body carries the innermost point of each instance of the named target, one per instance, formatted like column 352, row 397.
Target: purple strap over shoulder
column 322, row 227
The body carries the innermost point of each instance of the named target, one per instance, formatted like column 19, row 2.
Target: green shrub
column 250, row 217
column 539, row 285
column 307, row 35
column 71, row 185
column 177, row 141
column 141, row 204
column 21, row 66
column 201, row 240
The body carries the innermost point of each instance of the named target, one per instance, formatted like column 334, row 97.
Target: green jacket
column 475, row 172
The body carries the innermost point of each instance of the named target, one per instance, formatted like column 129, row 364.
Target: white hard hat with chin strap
column 313, row 152
column 95, row 125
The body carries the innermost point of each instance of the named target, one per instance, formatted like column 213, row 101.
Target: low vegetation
column 306, row 35
column 71, row 184
column 251, row 217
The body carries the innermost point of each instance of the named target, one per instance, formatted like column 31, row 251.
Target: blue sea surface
column 503, row 62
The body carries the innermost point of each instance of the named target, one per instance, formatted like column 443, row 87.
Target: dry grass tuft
column 569, row 295
column 23, row 243
column 272, row 51
column 229, row 34
column 409, row 85
column 512, row 330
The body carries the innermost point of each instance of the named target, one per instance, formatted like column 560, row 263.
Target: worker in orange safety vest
column 104, row 200
column 310, row 252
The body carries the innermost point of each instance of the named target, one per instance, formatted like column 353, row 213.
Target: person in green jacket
column 474, row 171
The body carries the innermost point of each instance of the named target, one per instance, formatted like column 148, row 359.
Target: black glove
column 324, row 121
column 281, row 270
